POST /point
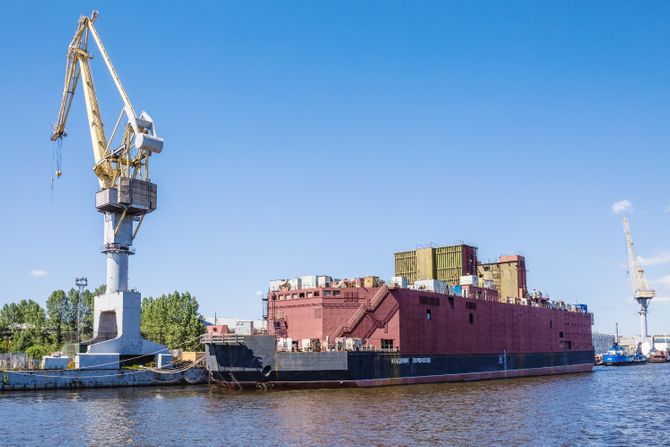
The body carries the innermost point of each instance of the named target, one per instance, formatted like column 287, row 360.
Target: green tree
column 26, row 322
column 87, row 314
column 57, row 304
column 77, row 314
column 62, row 309
column 26, row 314
column 5, row 342
column 24, row 339
column 100, row 290
column 172, row 320
column 11, row 316
column 37, row 351
column 87, row 308
column 71, row 311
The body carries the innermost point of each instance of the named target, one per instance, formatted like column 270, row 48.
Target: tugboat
column 657, row 356
column 617, row 356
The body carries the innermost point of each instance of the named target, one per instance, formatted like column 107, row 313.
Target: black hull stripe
column 435, row 378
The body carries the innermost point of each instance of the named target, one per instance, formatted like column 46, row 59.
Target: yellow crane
column 130, row 158
column 642, row 293
column 125, row 196
column 122, row 169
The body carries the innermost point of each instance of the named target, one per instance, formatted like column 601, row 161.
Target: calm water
column 611, row 406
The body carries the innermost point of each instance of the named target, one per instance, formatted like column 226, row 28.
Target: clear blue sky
column 320, row 137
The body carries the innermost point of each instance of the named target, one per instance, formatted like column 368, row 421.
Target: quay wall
column 97, row 378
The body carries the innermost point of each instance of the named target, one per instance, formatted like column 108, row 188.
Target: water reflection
column 615, row 406
column 110, row 420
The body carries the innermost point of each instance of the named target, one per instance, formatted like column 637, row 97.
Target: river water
column 611, row 406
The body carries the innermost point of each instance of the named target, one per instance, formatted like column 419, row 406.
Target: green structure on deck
column 447, row 263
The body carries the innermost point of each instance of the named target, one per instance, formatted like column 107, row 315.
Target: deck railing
column 221, row 339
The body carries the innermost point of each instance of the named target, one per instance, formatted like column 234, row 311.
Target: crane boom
column 130, row 111
column 130, row 158
column 637, row 276
column 96, row 127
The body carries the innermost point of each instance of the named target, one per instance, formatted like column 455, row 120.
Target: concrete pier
column 97, row 378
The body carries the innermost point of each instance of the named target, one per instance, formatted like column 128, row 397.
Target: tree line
column 25, row 326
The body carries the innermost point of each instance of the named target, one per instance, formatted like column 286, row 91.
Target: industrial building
column 450, row 263
column 508, row 276
column 447, row 263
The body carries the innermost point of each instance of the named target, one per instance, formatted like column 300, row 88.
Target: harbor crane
column 125, row 195
column 641, row 291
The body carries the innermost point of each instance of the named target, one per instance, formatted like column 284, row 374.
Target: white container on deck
column 308, row 281
column 284, row 344
column 400, row 281
column 245, row 327
column 432, row 285
column 469, row 280
column 295, row 283
column 353, row 344
column 275, row 284
column 324, row 281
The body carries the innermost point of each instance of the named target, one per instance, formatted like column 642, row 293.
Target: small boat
column 617, row 356
column 657, row 356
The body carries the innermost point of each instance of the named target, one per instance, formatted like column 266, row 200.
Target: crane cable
column 56, row 161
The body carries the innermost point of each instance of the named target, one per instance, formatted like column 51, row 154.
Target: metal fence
column 14, row 361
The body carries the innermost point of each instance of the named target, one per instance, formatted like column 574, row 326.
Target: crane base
column 116, row 326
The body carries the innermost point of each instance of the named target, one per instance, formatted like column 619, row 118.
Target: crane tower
column 641, row 291
column 125, row 195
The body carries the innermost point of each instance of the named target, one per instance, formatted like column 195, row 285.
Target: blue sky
column 320, row 137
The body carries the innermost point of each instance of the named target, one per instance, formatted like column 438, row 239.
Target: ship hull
column 237, row 366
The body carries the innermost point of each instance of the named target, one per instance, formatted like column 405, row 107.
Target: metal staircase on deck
column 372, row 315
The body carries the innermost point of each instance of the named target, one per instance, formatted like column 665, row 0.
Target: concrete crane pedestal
column 116, row 323
column 117, row 313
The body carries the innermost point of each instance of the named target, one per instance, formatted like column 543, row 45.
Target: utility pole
column 81, row 283
column 617, row 333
